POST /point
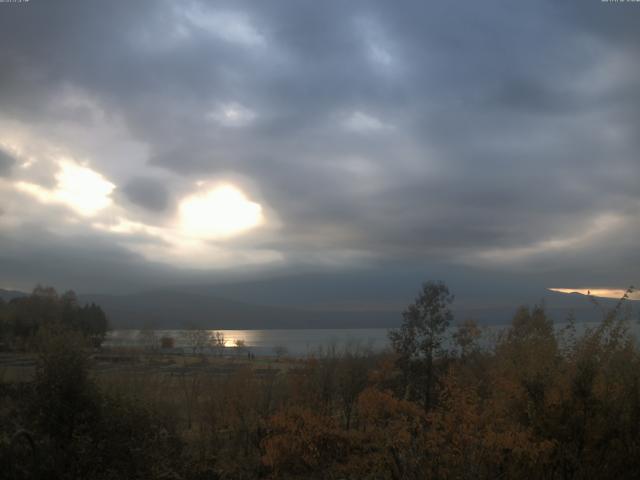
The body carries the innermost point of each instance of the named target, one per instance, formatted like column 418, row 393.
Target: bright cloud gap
column 79, row 188
column 218, row 212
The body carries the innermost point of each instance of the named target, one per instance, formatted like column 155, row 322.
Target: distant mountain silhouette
column 169, row 309
column 179, row 309
column 7, row 295
column 202, row 308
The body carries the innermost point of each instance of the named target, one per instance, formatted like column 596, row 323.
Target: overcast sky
column 145, row 143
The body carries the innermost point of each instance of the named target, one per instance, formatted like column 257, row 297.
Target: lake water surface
column 264, row 342
column 295, row 341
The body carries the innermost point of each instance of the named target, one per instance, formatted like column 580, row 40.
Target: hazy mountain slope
column 7, row 295
column 177, row 309
column 171, row 309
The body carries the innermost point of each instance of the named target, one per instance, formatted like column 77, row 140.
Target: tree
column 148, row 337
column 70, row 310
column 528, row 352
column 198, row 340
column 351, row 379
column 218, row 342
column 5, row 329
column 81, row 431
column 64, row 394
column 280, row 351
column 167, row 342
column 240, row 345
column 94, row 323
column 44, row 308
column 418, row 341
column 466, row 337
column 302, row 443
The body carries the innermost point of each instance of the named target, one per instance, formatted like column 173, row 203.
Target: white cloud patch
column 377, row 46
column 378, row 54
column 364, row 123
column 233, row 115
column 232, row 27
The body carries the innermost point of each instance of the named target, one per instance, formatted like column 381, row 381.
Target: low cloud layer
column 486, row 135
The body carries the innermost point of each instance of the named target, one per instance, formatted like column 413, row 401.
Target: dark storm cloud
column 32, row 254
column 425, row 131
column 6, row 163
column 148, row 193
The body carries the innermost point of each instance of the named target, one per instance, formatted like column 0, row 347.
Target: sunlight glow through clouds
column 79, row 188
column 211, row 212
column 219, row 212
column 214, row 214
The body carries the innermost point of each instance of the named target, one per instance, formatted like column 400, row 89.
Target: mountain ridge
column 174, row 308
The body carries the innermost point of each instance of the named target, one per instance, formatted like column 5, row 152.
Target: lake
column 296, row 341
column 263, row 342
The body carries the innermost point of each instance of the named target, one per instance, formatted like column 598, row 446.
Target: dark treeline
column 21, row 318
column 537, row 403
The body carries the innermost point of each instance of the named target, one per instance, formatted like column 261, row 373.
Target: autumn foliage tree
column 418, row 342
column 22, row 317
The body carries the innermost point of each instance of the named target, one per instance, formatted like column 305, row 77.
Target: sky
column 147, row 143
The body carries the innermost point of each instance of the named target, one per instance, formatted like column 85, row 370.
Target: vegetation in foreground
column 538, row 402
